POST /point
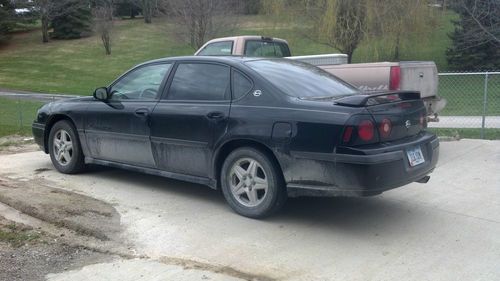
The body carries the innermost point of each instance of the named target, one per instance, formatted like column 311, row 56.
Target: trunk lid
column 396, row 115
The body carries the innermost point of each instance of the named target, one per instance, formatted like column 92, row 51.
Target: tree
column 7, row 15
column 476, row 44
column 396, row 20
column 50, row 9
column 340, row 24
column 199, row 20
column 75, row 23
column 147, row 10
column 127, row 8
column 103, row 16
column 10, row 18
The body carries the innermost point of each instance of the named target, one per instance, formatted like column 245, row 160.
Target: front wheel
column 252, row 183
column 64, row 148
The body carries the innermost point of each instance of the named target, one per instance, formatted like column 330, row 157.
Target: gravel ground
column 28, row 254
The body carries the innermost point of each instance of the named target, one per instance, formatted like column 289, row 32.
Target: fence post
column 20, row 110
column 485, row 102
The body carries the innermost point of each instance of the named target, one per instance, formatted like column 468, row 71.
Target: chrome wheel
column 248, row 182
column 63, row 147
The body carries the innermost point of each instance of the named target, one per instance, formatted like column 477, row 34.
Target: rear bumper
column 39, row 134
column 363, row 171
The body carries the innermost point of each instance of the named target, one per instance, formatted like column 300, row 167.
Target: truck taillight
column 385, row 128
column 365, row 130
column 395, row 78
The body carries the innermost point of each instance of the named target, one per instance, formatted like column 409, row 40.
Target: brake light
column 385, row 128
column 347, row 135
column 365, row 130
column 395, row 78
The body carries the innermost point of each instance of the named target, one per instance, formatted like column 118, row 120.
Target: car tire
column 65, row 149
column 252, row 183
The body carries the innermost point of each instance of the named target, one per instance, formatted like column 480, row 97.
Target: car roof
column 221, row 59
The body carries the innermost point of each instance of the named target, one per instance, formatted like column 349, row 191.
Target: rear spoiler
column 377, row 98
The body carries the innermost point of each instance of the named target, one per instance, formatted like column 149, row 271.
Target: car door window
column 140, row 84
column 200, row 81
column 217, row 49
column 241, row 85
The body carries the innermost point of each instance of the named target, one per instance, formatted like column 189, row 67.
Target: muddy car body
column 284, row 127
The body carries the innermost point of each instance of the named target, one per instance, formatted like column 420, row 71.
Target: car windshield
column 302, row 80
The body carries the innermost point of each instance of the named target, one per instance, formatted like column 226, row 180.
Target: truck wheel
column 252, row 183
column 64, row 148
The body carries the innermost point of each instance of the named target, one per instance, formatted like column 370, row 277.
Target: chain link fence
column 18, row 111
column 473, row 105
column 472, row 109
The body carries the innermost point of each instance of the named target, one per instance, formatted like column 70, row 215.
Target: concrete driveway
column 448, row 229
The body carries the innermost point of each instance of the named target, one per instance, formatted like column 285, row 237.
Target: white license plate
column 415, row 156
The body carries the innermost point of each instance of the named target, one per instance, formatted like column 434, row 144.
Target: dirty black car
column 259, row 129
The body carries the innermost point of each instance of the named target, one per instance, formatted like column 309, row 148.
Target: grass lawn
column 79, row 66
column 466, row 133
column 16, row 116
column 465, row 95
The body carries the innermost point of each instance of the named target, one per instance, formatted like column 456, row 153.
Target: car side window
column 140, row 84
column 241, row 85
column 200, row 81
column 217, row 49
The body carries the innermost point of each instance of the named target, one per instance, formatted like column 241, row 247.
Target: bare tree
column 103, row 25
column 485, row 16
column 394, row 20
column 49, row 9
column 340, row 24
column 199, row 20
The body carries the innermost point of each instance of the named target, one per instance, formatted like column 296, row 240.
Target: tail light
column 395, row 78
column 347, row 134
column 366, row 130
column 385, row 128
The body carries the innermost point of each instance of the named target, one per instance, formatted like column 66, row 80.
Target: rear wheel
column 252, row 183
column 64, row 148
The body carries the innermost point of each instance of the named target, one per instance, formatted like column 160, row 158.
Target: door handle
column 215, row 115
column 142, row 112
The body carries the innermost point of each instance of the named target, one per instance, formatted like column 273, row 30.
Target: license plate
column 415, row 156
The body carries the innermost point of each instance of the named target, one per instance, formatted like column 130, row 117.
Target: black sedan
column 259, row 129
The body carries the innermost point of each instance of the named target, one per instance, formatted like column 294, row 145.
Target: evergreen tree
column 7, row 14
column 474, row 47
column 76, row 23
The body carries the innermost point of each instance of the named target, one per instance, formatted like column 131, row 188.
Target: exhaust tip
column 424, row 179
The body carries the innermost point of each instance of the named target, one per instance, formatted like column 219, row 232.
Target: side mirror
column 101, row 94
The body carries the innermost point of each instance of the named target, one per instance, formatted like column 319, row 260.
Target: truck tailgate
column 419, row 76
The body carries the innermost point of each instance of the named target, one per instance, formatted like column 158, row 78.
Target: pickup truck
column 419, row 76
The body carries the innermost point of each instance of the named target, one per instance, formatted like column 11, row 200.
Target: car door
column 118, row 129
column 191, row 117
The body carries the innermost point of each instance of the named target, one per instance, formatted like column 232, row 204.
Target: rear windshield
column 259, row 48
column 224, row 48
column 302, row 80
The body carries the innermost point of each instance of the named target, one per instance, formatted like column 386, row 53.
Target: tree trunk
column 396, row 48
column 349, row 55
column 147, row 10
column 45, row 29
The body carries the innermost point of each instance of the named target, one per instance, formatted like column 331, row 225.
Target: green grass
column 79, row 66
column 16, row 235
column 465, row 95
column 16, row 116
column 466, row 133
